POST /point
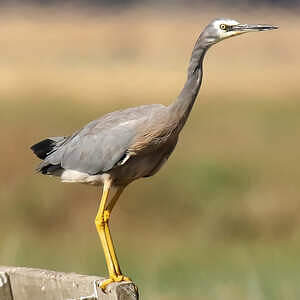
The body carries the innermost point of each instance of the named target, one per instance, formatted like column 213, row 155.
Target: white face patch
column 223, row 34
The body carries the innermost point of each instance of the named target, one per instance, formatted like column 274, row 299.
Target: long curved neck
column 182, row 106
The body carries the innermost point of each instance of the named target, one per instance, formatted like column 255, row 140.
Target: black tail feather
column 44, row 147
column 48, row 169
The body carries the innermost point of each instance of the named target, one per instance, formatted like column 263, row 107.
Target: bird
column 125, row 145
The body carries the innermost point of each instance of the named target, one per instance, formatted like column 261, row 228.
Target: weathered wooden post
column 35, row 284
column 5, row 290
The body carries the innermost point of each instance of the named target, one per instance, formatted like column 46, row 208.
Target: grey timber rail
column 35, row 284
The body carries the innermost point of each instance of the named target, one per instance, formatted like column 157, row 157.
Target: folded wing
column 101, row 144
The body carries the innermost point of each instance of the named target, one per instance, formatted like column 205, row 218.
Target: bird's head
column 220, row 29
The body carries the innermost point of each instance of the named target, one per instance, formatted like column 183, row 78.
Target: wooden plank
column 5, row 291
column 37, row 284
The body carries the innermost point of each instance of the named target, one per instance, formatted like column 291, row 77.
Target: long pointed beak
column 252, row 27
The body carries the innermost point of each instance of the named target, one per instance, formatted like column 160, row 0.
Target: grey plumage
column 102, row 144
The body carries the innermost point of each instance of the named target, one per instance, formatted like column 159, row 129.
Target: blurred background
column 221, row 219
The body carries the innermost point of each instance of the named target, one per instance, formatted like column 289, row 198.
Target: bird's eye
column 223, row 26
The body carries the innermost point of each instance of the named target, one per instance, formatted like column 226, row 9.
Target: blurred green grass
column 220, row 221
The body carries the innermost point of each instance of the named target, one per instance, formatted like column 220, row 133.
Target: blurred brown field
column 78, row 54
column 221, row 219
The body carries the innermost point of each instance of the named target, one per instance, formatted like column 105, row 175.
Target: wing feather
column 102, row 143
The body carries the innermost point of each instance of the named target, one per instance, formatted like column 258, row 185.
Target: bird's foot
column 112, row 279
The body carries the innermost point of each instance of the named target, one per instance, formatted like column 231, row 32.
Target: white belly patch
column 81, row 177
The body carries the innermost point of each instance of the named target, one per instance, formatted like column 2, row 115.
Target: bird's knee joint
column 102, row 219
column 106, row 216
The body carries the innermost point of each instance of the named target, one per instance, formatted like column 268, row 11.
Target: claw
column 118, row 278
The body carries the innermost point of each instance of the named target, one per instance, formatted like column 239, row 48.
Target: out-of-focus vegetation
column 221, row 219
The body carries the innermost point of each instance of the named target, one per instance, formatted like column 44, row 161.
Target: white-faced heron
column 125, row 145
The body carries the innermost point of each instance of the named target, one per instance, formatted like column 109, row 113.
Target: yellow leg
column 115, row 198
column 107, row 213
column 101, row 221
column 119, row 277
column 100, row 225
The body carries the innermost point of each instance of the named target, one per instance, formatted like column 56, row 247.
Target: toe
column 118, row 278
column 105, row 283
